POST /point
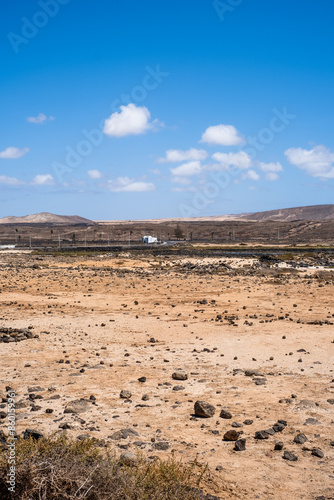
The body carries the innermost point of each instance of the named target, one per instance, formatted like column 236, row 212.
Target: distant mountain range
column 311, row 213
column 46, row 218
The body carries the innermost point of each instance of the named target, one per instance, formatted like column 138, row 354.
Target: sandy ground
column 102, row 323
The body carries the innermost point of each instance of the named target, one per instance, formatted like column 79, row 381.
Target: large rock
column 123, row 434
column 204, row 409
column 77, row 406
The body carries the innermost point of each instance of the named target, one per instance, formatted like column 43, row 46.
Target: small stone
column 225, row 414
column 278, row 427
column 240, row 445
column 231, row 435
column 287, row 455
column 261, row 435
column 279, row 446
column 180, row 375
column 161, row 445
column 317, row 453
column 124, row 394
column 204, row 409
column 142, row 379
column 300, row 439
column 248, row 422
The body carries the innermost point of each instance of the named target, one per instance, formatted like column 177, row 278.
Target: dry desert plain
column 249, row 336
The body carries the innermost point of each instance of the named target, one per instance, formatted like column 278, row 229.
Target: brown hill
column 46, row 218
column 313, row 212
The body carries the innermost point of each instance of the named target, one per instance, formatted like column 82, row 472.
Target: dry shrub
column 62, row 468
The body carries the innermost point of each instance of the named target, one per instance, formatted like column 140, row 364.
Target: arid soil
column 253, row 338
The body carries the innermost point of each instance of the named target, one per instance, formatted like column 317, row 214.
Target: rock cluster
column 15, row 334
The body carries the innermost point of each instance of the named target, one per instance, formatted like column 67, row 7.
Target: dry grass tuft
column 62, row 468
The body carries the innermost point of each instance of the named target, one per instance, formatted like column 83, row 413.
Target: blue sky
column 131, row 110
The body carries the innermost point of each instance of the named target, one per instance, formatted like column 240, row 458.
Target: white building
column 149, row 239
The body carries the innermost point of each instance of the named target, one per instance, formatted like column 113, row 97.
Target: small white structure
column 149, row 239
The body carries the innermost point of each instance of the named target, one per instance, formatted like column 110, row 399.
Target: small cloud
column 40, row 118
column 12, row 153
column 43, row 180
column 182, row 190
column 251, row 174
column 224, row 135
column 241, row 160
column 177, row 155
column 317, row 162
column 181, row 180
column 125, row 184
column 272, row 176
column 94, row 174
column 131, row 120
column 270, row 167
column 10, row 181
column 187, row 169
column 155, row 171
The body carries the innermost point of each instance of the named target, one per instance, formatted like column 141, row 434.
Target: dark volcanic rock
column 287, row 455
column 240, row 445
column 261, row 435
column 300, row 439
column 204, row 409
column 180, row 375
column 30, row 433
column 231, row 435
column 225, row 414
column 161, row 445
column 317, row 453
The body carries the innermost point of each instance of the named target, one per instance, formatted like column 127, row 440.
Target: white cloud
column 225, row 135
column 12, row 153
column 317, row 162
column 240, row 160
column 123, row 184
column 94, row 174
column 271, row 170
column 11, row 181
column 181, row 180
column 43, row 180
column 251, row 174
column 131, row 120
column 177, row 155
column 155, row 171
column 40, row 118
column 270, row 167
column 271, row 176
column 189, row 168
